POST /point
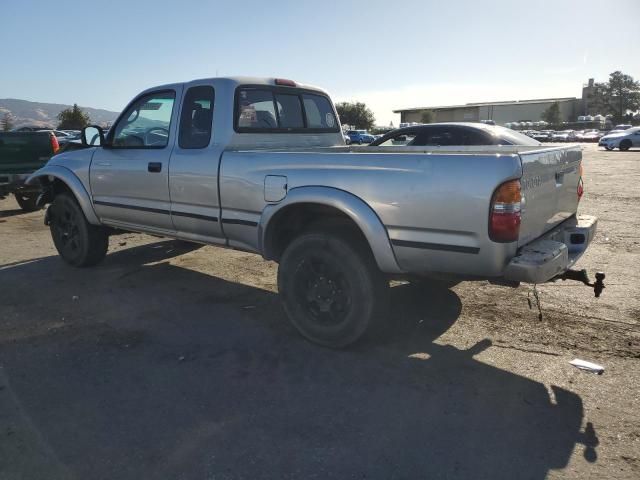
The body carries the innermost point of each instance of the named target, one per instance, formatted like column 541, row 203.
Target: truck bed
column 436, row 196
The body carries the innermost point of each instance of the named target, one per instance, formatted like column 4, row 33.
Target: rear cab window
column 283, row 110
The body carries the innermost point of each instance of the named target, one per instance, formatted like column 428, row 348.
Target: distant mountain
column 45, row 115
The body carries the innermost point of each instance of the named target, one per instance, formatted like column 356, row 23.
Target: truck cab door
column 193, row 175
column 129, row 176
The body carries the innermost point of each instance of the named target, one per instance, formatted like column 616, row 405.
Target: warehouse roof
column 485, row 104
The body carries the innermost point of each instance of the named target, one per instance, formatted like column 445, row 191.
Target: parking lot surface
column 173, row 360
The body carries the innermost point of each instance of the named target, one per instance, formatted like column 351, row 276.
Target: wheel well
column 304, row 217
column 59, row 187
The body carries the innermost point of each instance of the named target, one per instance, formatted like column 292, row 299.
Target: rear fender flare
column 74, row 184
column 354, row 207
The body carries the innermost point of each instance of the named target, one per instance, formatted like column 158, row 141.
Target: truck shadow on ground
column 11, row 213
column 158, row 371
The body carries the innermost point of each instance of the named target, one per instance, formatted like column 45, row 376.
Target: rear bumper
column 554, row 253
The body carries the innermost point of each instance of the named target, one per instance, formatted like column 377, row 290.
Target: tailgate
column 23, row 152
column 549, row 189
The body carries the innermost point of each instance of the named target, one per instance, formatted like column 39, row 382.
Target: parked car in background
column 21, row 154
column 564, row 136
column 453, row 134
column 360, row 136
column 347, row 138
column 624, row 139
column 63, row 137
column 590, row 136
column 622, row 126
column 543, row 136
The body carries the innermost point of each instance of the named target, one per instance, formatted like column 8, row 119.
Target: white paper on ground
column 584, row 365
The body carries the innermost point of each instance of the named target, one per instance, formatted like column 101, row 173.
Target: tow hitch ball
column 581, row 276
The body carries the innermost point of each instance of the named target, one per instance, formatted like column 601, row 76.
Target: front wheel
column 27, row 201
column 331, row 288
column 625, row 145
column 78, row 242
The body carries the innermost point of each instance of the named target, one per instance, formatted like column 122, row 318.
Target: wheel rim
column 322, row 291
column 66, row 231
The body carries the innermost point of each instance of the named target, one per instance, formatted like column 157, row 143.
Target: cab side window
column 146, row 123
column 400, row 140
column 475, row 137
column 196, row 119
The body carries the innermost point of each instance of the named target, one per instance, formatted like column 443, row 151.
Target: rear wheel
column 78, row 242
column 27, row 201
column 331, row 288
column 625, row 145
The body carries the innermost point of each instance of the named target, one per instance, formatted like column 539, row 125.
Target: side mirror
column 92, row 136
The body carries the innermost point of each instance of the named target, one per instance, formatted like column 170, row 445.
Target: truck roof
column 234, row 82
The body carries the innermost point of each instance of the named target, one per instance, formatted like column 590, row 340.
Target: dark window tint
column 289, row 111
column 437, row 136
column 197, row 118
column 471, row 136
column 319, row 112
column 400, row 140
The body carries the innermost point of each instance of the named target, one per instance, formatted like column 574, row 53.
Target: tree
column 616, row 97
column 624, row 94
column 357, row 115
column 7, row 122
column 552, row 114
column 427, row 116
column 73, row 118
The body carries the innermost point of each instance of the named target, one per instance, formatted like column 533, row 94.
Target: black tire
column 625, row 145
column 78, row 242
column 27, row 201
column 360, row 141
column 331, row 288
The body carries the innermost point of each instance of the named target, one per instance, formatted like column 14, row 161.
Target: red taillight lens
column 504, row 217
column 580, row 184
column 55, row 146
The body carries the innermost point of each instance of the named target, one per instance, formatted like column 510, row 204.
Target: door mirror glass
column 92, row 136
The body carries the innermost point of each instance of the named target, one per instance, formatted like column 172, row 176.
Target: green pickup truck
column 22, row 153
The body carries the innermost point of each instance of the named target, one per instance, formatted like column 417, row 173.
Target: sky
column 389, row 55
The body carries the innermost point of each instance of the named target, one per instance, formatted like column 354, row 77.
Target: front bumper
column 554, row 253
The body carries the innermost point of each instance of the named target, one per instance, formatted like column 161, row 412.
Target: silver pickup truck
column 261, row 165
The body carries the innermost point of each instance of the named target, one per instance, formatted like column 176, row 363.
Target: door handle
column 154, row 167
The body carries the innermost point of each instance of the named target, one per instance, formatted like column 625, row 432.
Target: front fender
column 354, row 207
column 72, row 182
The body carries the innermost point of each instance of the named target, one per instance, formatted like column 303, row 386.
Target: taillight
column 504, row 217
column 580, row 184
column 55, row 146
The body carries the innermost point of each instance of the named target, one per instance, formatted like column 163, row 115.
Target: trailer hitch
column 582, row 276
